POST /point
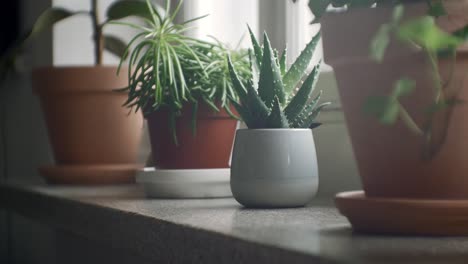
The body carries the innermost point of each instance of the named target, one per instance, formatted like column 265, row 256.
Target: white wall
column 72, row 40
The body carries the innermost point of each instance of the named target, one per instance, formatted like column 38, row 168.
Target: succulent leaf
column 266, row 106
column 298, row 68
column 277, row 118
column 282, row 62
column 306, row 123
column 299, row 101
column 256, row 47
column 244, row 113
column 255, row 70
column 299, row 119
column 270, row 83
column 257, row 108
column 240, row 89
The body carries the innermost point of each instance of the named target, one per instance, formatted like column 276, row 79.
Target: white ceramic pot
column 274, row 167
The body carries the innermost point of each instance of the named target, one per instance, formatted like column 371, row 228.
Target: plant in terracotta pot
column 403, row 82
column 94, row 139
column 183, row 85
column 274, row 161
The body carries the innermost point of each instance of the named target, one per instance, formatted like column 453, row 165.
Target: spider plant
column 168, row 69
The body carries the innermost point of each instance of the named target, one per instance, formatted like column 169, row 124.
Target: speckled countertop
column 219, row 230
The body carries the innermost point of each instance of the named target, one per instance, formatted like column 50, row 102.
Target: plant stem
column 409, row 121
column 439, row 93
column 97, row 28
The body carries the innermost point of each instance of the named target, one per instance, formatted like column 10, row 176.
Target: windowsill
column 218, row 230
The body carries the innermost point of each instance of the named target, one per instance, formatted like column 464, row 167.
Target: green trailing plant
column 271, row 102
column 116, row 11
column 423, row 33
column 168, row 70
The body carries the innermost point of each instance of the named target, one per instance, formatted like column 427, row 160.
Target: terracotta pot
column 209, row 148
column 85, row 118
column 390, row 158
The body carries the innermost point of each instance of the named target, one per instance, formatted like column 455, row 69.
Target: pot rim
column 77, row 67
column 275, row 129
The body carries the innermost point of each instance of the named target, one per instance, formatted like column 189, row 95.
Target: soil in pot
column 210, row 147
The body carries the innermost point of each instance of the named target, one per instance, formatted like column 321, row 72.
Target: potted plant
column 94, row 139
column 403, row 82
column 274, row 161
column 183, row 85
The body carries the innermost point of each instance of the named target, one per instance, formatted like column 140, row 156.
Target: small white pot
column 274, row 167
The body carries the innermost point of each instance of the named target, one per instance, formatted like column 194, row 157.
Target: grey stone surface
column 219, row 230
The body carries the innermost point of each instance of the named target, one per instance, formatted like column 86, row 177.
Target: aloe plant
column 272, row 103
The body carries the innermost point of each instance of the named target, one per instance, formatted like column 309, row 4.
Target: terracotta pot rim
column 78, row 79
column 76, row 67
column 275, row 129
column 461, row 55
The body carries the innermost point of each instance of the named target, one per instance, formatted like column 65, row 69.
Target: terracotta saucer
column 90, row 174
column 404, row 216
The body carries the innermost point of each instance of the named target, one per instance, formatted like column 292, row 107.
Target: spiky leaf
column 270, row 84
column 299, row 67
column 238, row 86
column 298, row 120
column 282, row 62
column 256, row 48
column 244, row 113
column 315, row 125
column 310, row 120
column 299, row 101
column 257, row 107
column 277, row 118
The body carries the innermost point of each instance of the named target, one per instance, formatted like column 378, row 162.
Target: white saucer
column 180, row 184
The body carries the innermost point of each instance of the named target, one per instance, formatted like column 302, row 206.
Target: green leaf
column 48, row 18
column 436, row 8
column 238, row 86
column 310, row 120
column 318, row 8
column 270, row 84
column 397, row 13
column 282, row 62
column 244, row 113
column 44, row 22
column 257, row 108
column 380, row 43
column 385, row 108
column 299, row 67
column 299, row 101
column 403, row 87
column 462, row 34
column 442, row 105
column 115, row 45
column 424, row 32
column 306, row 112
column 256, row 48
column 315, row 125
column 277, row 118
column 126, row 8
